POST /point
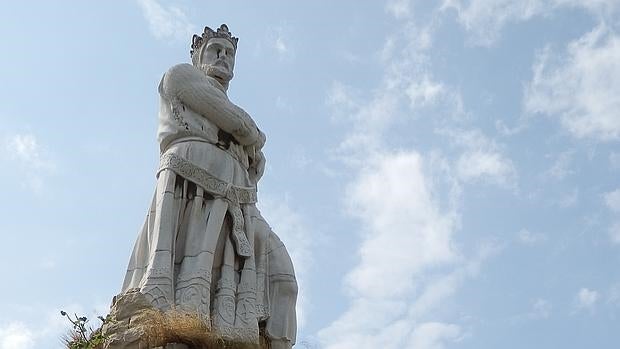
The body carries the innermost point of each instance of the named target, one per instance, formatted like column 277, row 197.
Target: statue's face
column 218, row 59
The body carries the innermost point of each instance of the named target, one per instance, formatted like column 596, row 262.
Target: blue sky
column 444, row 173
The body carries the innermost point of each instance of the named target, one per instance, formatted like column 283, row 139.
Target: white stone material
column 204, row 247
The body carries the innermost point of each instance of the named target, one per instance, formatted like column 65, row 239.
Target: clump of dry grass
column 190, row 329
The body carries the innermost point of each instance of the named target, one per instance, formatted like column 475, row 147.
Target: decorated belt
column 235, row 195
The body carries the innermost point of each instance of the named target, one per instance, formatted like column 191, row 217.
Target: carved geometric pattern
column 238, row 234
column 245, row 335
column 157, row 295
column 192, row 292
column 215, row 186
column 175, row 105
column 262, row 312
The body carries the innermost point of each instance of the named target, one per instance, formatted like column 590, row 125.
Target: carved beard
column 217, row 72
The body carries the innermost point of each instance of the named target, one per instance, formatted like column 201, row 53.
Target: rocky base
column 134, row 324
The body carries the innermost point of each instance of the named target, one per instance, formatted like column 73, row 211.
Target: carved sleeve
column 193, row 89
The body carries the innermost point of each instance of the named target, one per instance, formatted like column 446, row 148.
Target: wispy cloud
column 529, row 238
column 399, row 8
column 278, row 40
column 614, row 160
column 586, row 299
column 569, row 198
column 484, row 20
column 26, row 149
column 280, row 45
column 613, row 296
column 424, row 92
column 580, row 88
column 166, row 22
column 541, row 309
column 561, row 167
column 612, row 200
column 434, row 335
column 16, row 335
column 482, row 158
column 614, row 232
column 479, row 164
column 29, row 158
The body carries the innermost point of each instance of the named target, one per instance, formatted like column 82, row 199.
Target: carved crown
column 199, row 40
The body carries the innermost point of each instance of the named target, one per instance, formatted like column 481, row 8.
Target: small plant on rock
column 81, row 336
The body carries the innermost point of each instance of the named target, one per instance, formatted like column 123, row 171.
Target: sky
column 443, row 173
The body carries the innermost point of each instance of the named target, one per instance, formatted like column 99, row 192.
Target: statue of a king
column 204, row 247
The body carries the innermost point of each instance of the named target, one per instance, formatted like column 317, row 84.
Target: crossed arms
column 198, row 92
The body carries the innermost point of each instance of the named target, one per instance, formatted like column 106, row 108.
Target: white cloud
column 586, row 299
column 35, row 326
column 433, row 335
column 541, row 309
column 283, row 104
column 343, row 99
column 581, row 88
column 614, row 233
column 395, row 202
column 529, row 238
column 26, row 149
column 28, row 158
column 436, row 288
column 600, row 8
column 614, row 294
column 561, row 168
column 47, row 264
column 612, row 200
column 569, row 199
column 16, row 335
column 482, row 159
column 485, row 19
column 277, row 39
column 480, row 164
column 280, row 46
column 614, row 160
column 367, row 121
column 399, row 8
column 166, row 22
column 409, row 219
column 424, row 92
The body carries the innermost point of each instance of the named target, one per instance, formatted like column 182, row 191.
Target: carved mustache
column 222, row 63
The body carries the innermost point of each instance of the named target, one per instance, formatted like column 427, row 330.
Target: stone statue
column 204, row 247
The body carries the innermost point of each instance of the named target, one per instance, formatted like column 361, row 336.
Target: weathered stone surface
column 125, row 327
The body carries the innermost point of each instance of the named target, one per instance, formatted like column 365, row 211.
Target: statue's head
column 213, row 52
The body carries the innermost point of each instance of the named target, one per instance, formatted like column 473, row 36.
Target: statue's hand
column 257, row 166
column 261, row 139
